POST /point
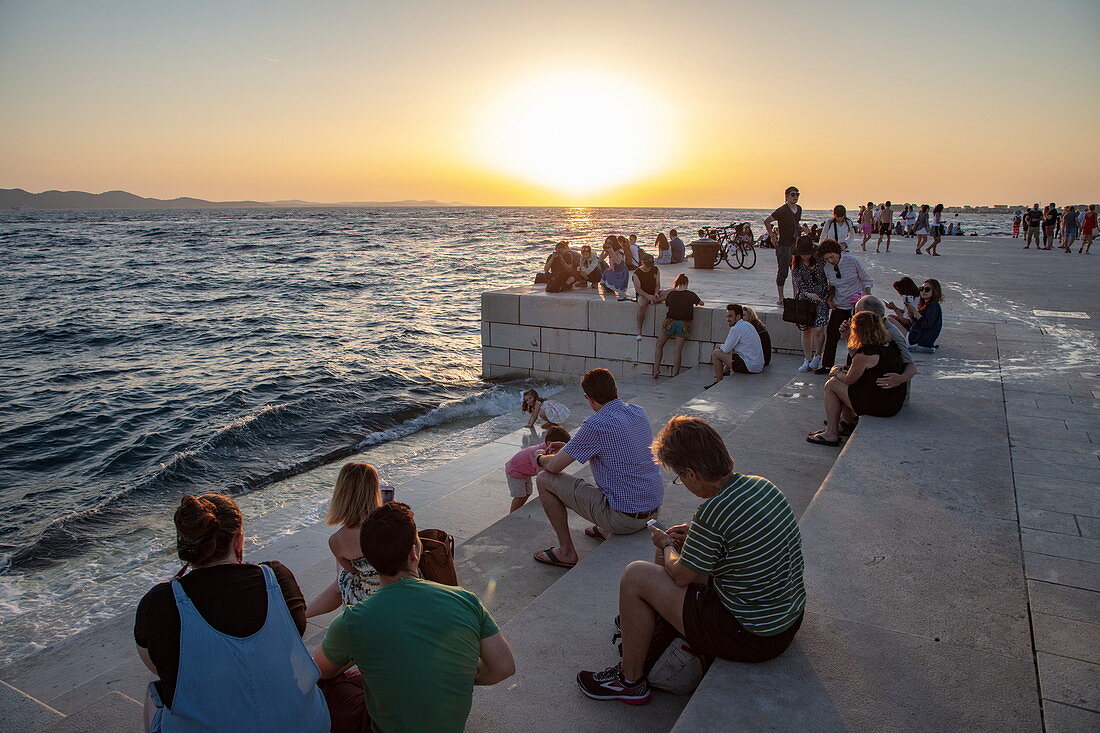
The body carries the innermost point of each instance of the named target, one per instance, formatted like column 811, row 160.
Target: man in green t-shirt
column 420, row 646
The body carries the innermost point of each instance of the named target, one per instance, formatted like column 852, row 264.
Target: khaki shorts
column 518, row 487
column 587, row 500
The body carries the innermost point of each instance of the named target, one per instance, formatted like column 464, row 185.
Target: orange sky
column 626, row 103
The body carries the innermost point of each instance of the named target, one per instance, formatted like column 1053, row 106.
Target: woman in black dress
column 854, row 390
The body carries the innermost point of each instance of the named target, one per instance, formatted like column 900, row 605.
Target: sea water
column 151, row 354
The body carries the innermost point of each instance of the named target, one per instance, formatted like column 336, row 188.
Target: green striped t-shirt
column 747, row 540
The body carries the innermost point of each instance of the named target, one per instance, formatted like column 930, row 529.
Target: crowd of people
column 1050, row 224
column 224, row 636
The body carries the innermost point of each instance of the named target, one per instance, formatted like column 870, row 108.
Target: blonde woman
column 356, row 496
column 853, row 391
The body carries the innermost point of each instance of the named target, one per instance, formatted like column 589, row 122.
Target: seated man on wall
column 742, row 351
column 730, row 581
column 420, row 646
column 628, row 488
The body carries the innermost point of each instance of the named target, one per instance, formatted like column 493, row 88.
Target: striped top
column 747, row 540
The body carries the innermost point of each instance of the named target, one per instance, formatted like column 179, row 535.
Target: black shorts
column 738, row 365
column 710, row 629
column 885, row 228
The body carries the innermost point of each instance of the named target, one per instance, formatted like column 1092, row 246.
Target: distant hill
column 17, row 198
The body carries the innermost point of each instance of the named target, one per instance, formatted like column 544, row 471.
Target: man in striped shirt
column 730, row 582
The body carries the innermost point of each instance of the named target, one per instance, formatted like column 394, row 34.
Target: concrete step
column 21, row 712
column 112, row 712
column 569, row 625
column 917, row 614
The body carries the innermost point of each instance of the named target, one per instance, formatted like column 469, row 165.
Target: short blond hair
column 690, row 442
column 356, row 496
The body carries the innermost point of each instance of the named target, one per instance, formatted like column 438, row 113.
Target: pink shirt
column 522, row 464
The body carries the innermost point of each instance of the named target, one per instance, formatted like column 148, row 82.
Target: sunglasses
column 796, row 194
column 836, row 269
column 925, row 289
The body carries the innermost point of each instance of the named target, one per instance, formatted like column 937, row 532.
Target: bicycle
column 735, row 247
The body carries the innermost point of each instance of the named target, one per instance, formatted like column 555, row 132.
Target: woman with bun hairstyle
column 225, row 639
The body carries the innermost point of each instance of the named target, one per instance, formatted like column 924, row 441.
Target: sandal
column 549, row 558
column 595, row 533
column 846, row 428
column 818, row 439
column 712, row 384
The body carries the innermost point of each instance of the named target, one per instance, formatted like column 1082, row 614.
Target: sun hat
column 803, row 246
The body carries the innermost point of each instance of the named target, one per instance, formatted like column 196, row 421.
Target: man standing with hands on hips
column 787, row 219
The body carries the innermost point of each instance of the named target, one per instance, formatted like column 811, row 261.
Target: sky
column 499, row 102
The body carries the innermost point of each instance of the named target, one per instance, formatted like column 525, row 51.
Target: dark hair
column 672, row 232
column 690, row 442
column 840, row 211
column 562, row 244
column 681, row 278
column 790, row 190
column 205, row 527
column 906, row 286
column 387, row 536
column 556, row 434
column 828, row 246
column 736, row 309
column 599, row 384
column 938, row 209
column 888, row 203
column 924, row 207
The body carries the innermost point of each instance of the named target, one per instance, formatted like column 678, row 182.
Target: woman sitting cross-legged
column 854, row 390
column 225, row 639
column 729, row 582
column 927, row 319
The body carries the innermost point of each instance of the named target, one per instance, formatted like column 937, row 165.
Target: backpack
column 437, row 563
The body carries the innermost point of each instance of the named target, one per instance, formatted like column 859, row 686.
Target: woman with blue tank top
column 225, row 639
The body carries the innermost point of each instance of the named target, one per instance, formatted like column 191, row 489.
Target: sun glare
column 578, row 132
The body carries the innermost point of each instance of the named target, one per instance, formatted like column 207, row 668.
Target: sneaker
column 805, row 366
column 815, row 363
column 610, row 685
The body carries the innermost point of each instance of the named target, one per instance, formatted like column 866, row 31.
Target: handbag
column 437, row 562
column 799, row 312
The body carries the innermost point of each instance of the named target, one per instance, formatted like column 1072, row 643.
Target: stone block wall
column 561, row 335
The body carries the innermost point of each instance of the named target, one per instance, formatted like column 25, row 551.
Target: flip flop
column 817, row 439
column 552, row 559
column 846, row 428
column 595, row 533
column 711, row 384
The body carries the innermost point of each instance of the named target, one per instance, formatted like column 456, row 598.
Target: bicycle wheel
column 747, row 256
column 731, row 256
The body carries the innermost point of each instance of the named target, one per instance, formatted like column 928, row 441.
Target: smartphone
column 657, row 525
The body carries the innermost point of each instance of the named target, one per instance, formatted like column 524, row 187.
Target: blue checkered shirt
column 617, row 441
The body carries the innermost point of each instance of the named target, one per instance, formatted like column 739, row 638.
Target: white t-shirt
column 744, row 341
column 635, row 254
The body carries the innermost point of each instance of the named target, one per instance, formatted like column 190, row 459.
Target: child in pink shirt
column 521, row 468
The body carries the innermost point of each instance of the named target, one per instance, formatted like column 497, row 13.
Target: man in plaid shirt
column 628, row 489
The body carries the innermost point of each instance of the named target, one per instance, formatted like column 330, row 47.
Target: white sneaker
column 805, row 366
column 815, row 363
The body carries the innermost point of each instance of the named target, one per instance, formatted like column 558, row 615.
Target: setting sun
column 578, row 132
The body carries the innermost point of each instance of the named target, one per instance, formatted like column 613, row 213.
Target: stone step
column 569, row 625
column 21, row 712
column 917, row 614
column 112, row 712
